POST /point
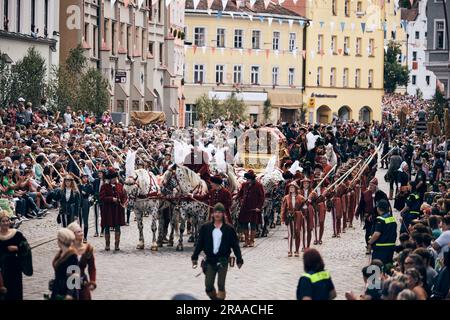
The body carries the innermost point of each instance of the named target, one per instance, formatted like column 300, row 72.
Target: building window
column 219, row 73
column 370, row 78
column 150, row 48
column 319, row 43
column 120, row 106
column 413, row 80
column 427, row 80
column 417, row 36
column 347, row 7
column 220, row 39
column 94, row 40
column 371, row 47
column 237, row 74
column 199, row 36
column 333, row 77
column 334, row 7
column 345, row 78
column 414, row 56
column 359, row 7
column 18, row 15
column 160, row 9
column 255, row 75
column 357, row 78
column 276, row 41
column 238, row 35
column 135, row 105
column 161, row 52
column 199, row 73
column 292, row 41
column 6, row 15
column 33, row 16
column 439, row 36
column 46, row 18
column 275, row 75
column 291, row 76
column 334, row 44
column 358, row 46
column 256, row 39
column 319, row 76
column 346, row 46
column 113, row 38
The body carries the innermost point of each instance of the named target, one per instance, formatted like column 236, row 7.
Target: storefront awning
column 285, row 100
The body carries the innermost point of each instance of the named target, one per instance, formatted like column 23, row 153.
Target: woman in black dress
column 403, row 181
column 69, row 199
column 11, row 244
column 64, row 263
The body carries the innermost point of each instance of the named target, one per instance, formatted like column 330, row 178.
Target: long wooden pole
column 326, row 176
column 344, row 176
column 140, row 144
column 90, row 160
column 68, row 152
column 366, row 163
column 59, row 174
column 106, row 153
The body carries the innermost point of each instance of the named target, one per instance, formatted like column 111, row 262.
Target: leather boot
column 117, row 241
column 246, row 239
column 252, row 238
column 107, row 241
column 221, row 295
column 212, row 295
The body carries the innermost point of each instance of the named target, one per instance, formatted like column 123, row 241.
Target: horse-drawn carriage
column 257, row 146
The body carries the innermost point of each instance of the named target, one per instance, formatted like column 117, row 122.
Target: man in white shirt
column 441, row 245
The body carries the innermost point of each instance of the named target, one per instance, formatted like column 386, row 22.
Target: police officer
column 411, row 210
column 384, row 236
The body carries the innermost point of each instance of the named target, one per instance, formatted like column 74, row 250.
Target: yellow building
column 344, row 59
column 255, row 52
column 345, row 56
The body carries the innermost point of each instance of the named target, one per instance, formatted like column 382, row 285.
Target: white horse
column 181, row 182
column 138, row 188
column 274, row 184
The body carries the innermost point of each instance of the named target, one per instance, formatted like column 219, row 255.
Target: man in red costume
column 198, row 161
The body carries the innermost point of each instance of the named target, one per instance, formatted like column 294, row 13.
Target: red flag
column 340, row 51
column 213, row 49
column 267, row 53
column 195, row 48
column 249, row 52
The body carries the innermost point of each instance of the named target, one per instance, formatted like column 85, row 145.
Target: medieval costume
column 292, row 216
column 62, row 264
column 113, row 199
column 306, row 191
column 252, row 197
column 198, row 161
column 216, row 194
column 88, row 277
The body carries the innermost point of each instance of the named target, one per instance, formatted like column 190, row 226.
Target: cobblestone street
column 132, row 274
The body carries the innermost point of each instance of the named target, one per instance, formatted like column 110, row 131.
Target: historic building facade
column 344, row 59
column 30, row 23
column 254, row 52
column 138, row 46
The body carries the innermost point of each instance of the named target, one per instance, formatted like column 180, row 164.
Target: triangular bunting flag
column 125, row 3
column 241, row 51
column 267, row 53
column 257, row 52
column 270, row 19
column 312, row 54
column 210, row 2
column 194, row 47
column 342, row 26
column 332, row 25
column 168, row 2
column 252, row 3
column 280, row 2
column 203, row 50
column 321, row 24
column 196, row 2
column 291, row 22
column 261, row 18
column 295, row 1
column 113, row 2
column 140, row 2
column 302, row 23
column 249, row 51
column 250, row 17
column 352, row 26
column 219, row 14
column 222, row 51
column 280, row 21
column 209, row 11
column 185, row 48
column 363, row 26
column 213, row 50
column 224, row 4
column 266, row 3
column 340, row 51
column 232, row 15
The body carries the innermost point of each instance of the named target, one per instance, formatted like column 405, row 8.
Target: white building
column 30, row 23
column 419, row 78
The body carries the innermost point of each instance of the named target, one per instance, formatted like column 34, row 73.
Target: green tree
column 267, row 110
column 394, row 73
column 204, row 107
column 93, row 95
column 5, row 81
column 235, row 108
column 29, row 77
column 439, row 104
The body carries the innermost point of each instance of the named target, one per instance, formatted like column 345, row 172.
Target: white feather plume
column 295, row 167
column 129, row 163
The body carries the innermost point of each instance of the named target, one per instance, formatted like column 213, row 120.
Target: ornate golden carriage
column 257, row 146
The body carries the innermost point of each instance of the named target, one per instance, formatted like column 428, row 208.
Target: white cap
column 21, row 99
